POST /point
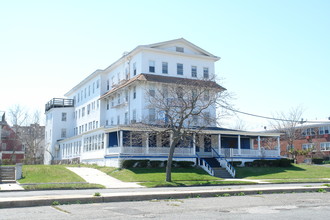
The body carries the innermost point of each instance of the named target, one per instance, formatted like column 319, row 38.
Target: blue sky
column 274, row 54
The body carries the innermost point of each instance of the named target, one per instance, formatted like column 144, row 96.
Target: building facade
column 314, row 137
column 98, row 119
column 11, row 148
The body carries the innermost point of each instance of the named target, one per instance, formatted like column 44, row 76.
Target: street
column 270, row 206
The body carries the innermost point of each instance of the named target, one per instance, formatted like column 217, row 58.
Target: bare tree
column 28, row 132
column 290, row 125
column 183, row 108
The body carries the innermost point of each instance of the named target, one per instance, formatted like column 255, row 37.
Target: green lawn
column 155, row 177
column 295, row 172
column 157, row 174
column 52, row 174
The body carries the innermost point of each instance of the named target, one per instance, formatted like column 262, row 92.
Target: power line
column 272, row 118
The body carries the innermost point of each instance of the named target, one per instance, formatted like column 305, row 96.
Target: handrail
column 206, row 166
column 225, row 163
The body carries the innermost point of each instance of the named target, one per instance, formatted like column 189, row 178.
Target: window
column 134, row 69
column 179, row 49
column 85, row 92
column 78, row 97
column 126, row 118
column 324, row 130
column 164, row 67
column 151, row 66
column 308, row 132
column 93, row 87
column 88, row 109
column 179, row 68
column 118, row 99
column 108, row 104
column 206, row 73
column 207, row 118
column 112, row 102
column 152, row 92
column 63, row 133
column 206, row 95
column 63, row 116
column 309, row 146
column 152, row 114
column 134, row 92
column 97, row 84
column 89, row 90
column 325, row 146
column 134, row 114
column 194, row 71
column 108, row 84
column 83, row 112
column 118, row 120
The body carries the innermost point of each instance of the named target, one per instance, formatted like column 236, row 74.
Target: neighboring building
column 94, row 123
column 33, row 140
column 11, row 148
column 314, row 136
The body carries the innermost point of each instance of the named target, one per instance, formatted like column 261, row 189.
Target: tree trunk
column 169, row 162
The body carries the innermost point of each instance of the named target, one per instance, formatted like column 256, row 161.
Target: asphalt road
column 270, row 206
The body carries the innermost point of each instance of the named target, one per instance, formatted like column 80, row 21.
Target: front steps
column 218, row 170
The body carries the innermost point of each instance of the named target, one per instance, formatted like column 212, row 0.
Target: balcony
column 59, row 103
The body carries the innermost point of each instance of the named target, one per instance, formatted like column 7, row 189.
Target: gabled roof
column 166, row 79
column 183, row 41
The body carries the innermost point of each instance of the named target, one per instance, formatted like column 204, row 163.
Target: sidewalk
column 47, row 198
column 10, row 187
column 92, row 175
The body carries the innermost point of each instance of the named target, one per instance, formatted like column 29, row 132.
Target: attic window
column 179, row 49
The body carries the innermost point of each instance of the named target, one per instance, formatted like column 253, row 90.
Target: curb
column 49, row 201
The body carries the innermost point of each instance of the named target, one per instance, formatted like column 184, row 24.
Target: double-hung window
column 194, row 71
column 206, row 73
column 151, row 66
column 179, row 68
column 164, row 67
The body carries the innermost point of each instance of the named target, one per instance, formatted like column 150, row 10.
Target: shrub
column 248, row 164
column 318, row 160
column 128, row 164
column 185, row 164
column 155, row 163
column 283, row 162
column 235, row 163
column 142, row 163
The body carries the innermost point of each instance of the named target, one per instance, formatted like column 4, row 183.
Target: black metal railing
column 59, row 103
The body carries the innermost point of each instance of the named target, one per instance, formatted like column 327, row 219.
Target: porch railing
column 224, row 163
column 150, row 150
column 230, row 152
column 204, row 165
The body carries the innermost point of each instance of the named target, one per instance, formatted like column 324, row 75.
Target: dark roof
column 167, row 79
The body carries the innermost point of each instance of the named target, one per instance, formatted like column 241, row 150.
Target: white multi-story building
column 91, row 122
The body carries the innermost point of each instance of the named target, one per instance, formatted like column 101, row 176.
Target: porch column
column 219, row 144
column 279, row 146
column 105, row 143
column 121, row 138
column 194, row 144
column 239, row 144
column 147, row 143
column 259, row 149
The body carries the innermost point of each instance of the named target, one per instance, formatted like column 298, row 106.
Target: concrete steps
column 218, row 170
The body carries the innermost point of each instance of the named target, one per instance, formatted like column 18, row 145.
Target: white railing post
column 259, row 149
column 239, row 144
column 279, row 146
column 219, row 144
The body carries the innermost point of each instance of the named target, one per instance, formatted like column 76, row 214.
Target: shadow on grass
column 163, row 170
column 244, row 172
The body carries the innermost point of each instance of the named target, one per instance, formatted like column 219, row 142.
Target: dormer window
column 179, row 49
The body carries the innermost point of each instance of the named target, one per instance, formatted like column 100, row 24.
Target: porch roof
column 165, row 79
column 208, row 130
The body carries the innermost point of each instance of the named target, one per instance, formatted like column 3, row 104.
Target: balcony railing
column 59, row 103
